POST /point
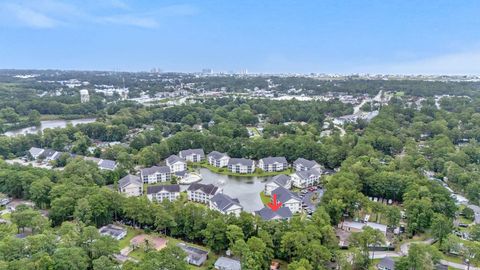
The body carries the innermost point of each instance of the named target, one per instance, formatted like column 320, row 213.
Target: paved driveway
column 307, row 199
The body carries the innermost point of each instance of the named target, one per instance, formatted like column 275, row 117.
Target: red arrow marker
column 274, row 204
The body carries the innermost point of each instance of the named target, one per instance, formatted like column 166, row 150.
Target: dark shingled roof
column 174, row 158
column 280, row 179
column 107, row 164
column 305, row 162
column 159, row 188
column 307, row 174
column 283, row 195
column 34, row 151
column 208, row 189
column 154, row 169
column 223, row 201
column 267, row 214
column 241, row 161
column 272, row 160
column 217, row 155
column 387, row 262
column 128, row 179
column 188, row 152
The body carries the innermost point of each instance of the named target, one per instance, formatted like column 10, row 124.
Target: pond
column 48, row 124
column 245, row 189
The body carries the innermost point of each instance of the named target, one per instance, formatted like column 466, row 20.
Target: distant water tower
column 84, row 97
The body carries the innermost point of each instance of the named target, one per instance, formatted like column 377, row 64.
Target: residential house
column 192, row 155
column 34, row 153
column 176, row 164
column 218, row 159
column 266, row 213
column 280, row 180
column 201, row 193
column 387, row 263
column 130, row 185
column 50, row 155
column 302, row 164
column 241, row 165
column 113, row 231
column 288, row 199
column 273, row 164
column 224, row 263
column 106, row 164
column 103, row 164
column 163, row 192
column 225, row 204
column 155, row 174
column 195, row 256
column 303, row 179
column 353, row 226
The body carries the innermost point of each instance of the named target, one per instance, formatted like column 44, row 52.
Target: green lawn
column 454, row 258
column 254, row 130
column 265, row 199
column 7, row 216
column 131, row 232
column 139, row 253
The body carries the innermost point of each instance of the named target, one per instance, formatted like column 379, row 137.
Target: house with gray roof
column 163, row 192
column 354, row 226
column 130, row 185
column 106, row 164
column 241, row 165
column 225, row 204
column 280, row 180
column 113, row 231
column 266, row 213
column 273, row 164
column 387, row 263
column 201, row 193
column 192, row 155
column 225, row 263
column 288, row 199
column 155, row 174
column 218, row 159
column 176, row 164
column 49, row 155
column 301, row 164
column 195, row 256
column 34, row 153
column 303, row 179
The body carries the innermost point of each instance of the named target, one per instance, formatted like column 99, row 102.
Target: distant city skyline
column 271, row 37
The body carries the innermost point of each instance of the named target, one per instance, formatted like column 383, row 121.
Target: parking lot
column 309, row 200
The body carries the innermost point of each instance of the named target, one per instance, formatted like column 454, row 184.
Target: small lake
column 48, row 124
column 245, row 189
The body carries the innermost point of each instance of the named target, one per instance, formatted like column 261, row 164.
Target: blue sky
column 268, row 36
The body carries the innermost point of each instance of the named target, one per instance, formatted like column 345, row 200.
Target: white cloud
column 53, row 13
column 131, row 20
column 30, row 17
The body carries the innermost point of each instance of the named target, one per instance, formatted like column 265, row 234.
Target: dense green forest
column 387, row 158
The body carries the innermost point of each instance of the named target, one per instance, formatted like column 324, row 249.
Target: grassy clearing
column 265, row 199
column 131, row 232
column 140, row 254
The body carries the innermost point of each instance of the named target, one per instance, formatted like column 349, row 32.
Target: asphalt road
column 307, row 199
